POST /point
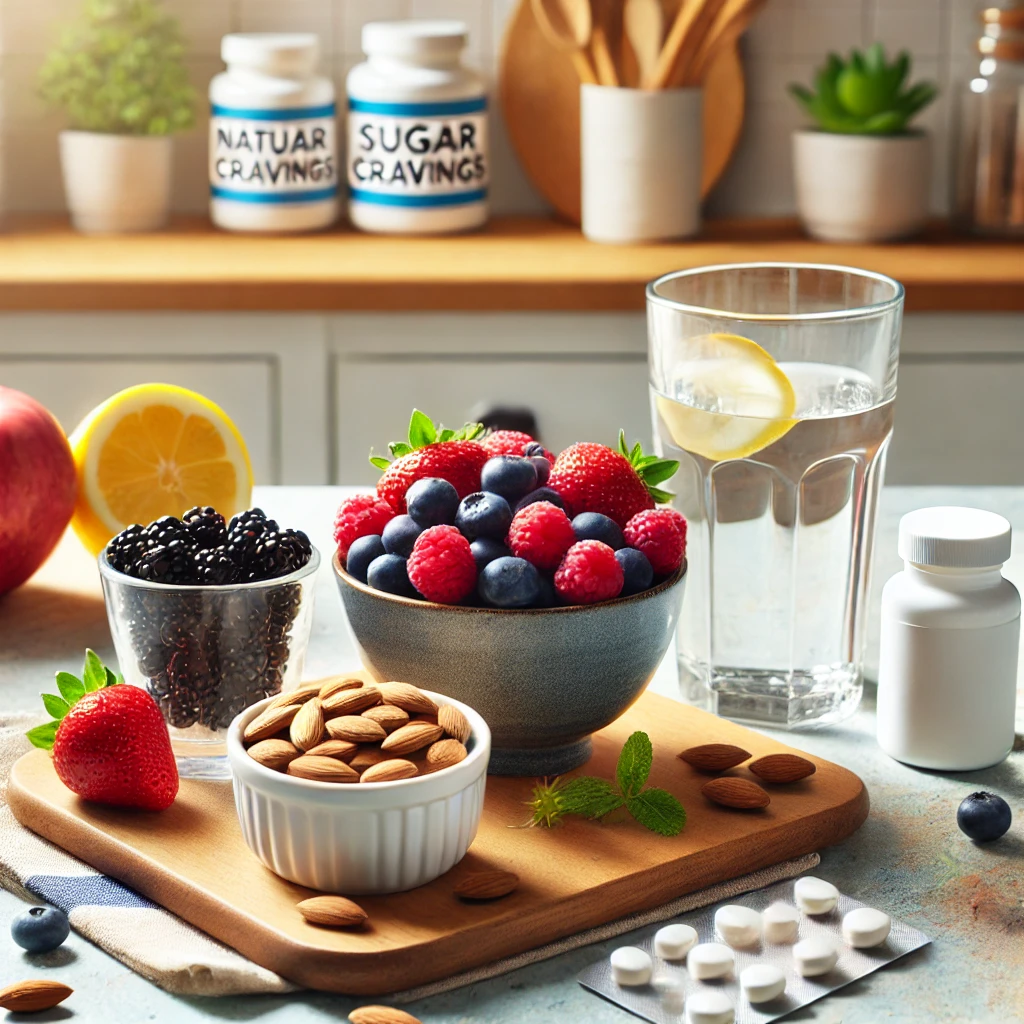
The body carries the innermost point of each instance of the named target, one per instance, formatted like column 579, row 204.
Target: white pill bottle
column 417, row 157
column 947, row 673
column 273, row 137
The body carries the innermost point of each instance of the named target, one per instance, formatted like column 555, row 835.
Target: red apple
column 37, row 486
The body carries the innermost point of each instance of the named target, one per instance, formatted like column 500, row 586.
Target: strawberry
column 510, row 442
column 109, row 741
column 618, row 484
column 452, row 455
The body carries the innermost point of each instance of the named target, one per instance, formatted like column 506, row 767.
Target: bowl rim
column 411, row 602
column 108, row 572
column 355, row 796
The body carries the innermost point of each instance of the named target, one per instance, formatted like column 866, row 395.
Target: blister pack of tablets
column 752, row 961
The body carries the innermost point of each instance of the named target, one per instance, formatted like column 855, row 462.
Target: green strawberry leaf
column 590, row 797
column 113, row 680
column 56, row 707
column 658, row 471
column 446, row 435
column 42, row 736
column 399, row 448
column 634, row 764
column 421, row 430
column 71, row 687
column 379, row 462
column 94, row 675
column 658, row 810
column 652, row 469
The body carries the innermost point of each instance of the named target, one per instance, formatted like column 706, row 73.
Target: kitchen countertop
column 909, row 858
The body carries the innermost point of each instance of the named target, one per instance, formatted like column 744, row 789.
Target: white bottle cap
column 954, row 538
column 415, row 38
column 282, row 54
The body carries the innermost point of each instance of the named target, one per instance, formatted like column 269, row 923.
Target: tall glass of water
column 773, row 385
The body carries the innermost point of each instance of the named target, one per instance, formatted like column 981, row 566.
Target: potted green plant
column 120, row 77
column 862, row 174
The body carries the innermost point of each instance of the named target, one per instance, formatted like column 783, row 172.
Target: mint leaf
column 94, row 675
column 56, row 707
column 659, row 811
column 634, row 764
column 380, row 463
column 71, row 687
column 590, row 797
column 42, row 736
column 421, row 430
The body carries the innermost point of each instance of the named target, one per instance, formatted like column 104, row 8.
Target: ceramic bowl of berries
column 210, row 617
column 543, row 591
column 346, row 786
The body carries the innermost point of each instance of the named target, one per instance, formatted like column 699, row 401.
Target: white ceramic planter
column 640, row 163
column 861, row 188
column 116, row 183
column 357, row 839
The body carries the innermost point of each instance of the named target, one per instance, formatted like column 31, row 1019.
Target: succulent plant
column 864, row 95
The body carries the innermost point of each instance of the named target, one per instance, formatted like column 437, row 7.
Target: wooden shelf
column 515, row 264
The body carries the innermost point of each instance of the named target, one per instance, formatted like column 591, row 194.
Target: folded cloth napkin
column 186, row 961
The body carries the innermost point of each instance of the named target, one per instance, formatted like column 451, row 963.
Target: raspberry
column 541, row 533
column 589, row 573
column 657, row 534
column 442, row 567
column 361, row 516
column 680, row 521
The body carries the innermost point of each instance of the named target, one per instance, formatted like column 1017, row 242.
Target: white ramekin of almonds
column 353, row 787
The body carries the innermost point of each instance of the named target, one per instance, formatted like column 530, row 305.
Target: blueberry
column 547, row 598
column 983, row 816
column 636, row 570
column 534, row 448
column 483, row 515
column 510, row 583
column 432, row 501
column 362, row 552
column 543, row 468
column 594, row 526
column 400, row 534
column 40, row 929
column 541, row 494
column 511, row 476
column 485, row 550
column 389, row 573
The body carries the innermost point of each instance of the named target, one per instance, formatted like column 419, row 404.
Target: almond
column 274, row 753
column 382, row 1015
column 407, row 697
column 388, row 716
column 489, row 884
column 782, row 767
column 351, row 702
column 307, row 728
column 715, row 757
column 366, row 756
column 33, row 995
column 338, row 684
column 307, row 691
column 445, row 753
column 332, row 912
column 729, row 791
column 454, row 722
column 389, row 771
column 322, row 769
column 266, row 723
column 412, row 737
column 341, row 749
column 355, row 729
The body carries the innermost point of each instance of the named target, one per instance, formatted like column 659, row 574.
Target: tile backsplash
column 786, row 43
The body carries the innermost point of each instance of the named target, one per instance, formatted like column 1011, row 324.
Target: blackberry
column 173, row 562
column 125, row 550
column 206, row 526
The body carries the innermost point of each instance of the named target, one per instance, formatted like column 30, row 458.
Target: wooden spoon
column 732, row 21
column 567, row 25
column 684, row 37
column 644, row 25
column 601, row 42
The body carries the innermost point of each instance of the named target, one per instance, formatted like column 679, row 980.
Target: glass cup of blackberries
column 209, row 617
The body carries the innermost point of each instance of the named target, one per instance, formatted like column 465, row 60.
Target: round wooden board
column 540, row 99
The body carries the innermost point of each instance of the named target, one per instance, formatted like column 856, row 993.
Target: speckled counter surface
column 909, row 858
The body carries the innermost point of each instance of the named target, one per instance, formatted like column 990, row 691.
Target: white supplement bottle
column 417, row 131
column 273, row 148
column 947, row 673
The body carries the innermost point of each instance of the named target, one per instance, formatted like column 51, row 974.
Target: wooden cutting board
column 540, row 101
column 192, row 860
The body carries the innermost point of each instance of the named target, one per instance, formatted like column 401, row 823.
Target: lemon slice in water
column 733, row 398
column 155, row 450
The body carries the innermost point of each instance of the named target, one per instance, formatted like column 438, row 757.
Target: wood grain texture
column 192, row 860
column 515, row 264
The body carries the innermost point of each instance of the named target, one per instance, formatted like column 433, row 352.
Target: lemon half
column 155, row 450
column 738, row 399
